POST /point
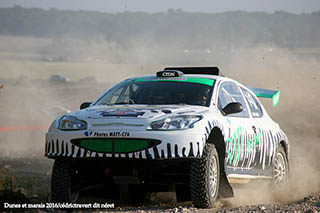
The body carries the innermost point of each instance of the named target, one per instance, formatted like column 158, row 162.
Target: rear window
column 254, row 104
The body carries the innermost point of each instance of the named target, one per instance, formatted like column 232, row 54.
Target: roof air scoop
column 169, row 73
column 196, row 70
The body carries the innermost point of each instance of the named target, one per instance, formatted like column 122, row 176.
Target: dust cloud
column 30, row 98
column 297, row 113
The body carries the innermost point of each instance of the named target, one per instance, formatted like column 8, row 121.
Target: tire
column 280, row 168
column 63, row 182
column 205, row 178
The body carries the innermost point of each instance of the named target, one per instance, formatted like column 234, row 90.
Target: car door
column 262, row 146
column 240, row 138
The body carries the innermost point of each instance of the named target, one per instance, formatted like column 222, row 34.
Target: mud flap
column 225, row 189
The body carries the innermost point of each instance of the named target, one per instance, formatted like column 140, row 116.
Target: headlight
column 69, row 122
column 175, row 123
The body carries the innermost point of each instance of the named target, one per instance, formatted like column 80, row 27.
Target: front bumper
column 173, row 144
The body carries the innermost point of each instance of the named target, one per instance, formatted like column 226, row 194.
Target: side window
column 230, row 92
column 115, row 96
column 118, row 96
column 254, row 104
column 128, row 94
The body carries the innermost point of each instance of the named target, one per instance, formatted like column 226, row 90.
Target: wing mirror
column 85, row 105
column 232, row 108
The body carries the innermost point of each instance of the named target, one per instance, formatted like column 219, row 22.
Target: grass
column 21, row 57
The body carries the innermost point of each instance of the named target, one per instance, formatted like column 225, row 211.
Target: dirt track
column 35, row 101
column 32, row 177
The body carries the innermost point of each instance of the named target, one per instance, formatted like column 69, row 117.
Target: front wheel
column 64, row 182
column 205, row 178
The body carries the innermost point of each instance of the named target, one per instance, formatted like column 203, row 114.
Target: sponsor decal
column 236, row 145
column 168, row 74
column 119, row 134
column 170, row 79
column 88, row 133
column 107, row 134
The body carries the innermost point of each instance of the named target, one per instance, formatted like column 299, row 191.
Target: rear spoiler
column 266, row 93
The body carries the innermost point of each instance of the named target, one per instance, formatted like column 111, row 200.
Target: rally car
column 188, row 128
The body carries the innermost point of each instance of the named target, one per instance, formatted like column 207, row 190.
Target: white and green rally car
column 186, row 128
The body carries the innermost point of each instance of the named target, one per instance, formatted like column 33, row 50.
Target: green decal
column 265, row 93
column 254, row 141
column 205, row 81
column 229, row 140
column 276, row 98
column 98, row 145
column 237, row 143
column 124, row 145
column 238, row 136
column 113, row 145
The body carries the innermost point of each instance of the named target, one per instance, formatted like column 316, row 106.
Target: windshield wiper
column 122, row 103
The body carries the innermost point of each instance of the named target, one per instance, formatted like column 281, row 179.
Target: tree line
column 174, row 27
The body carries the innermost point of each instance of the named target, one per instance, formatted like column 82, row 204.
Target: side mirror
column 232, row 108
column 85, row 105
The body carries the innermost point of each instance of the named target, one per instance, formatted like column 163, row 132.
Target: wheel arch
column 285, row 145
column 216, row 138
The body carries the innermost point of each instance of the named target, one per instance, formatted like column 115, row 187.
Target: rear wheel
column 205, row 178
column 64, row 184
column 280, row 167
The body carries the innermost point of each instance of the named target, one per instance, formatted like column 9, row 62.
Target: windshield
column 155, row 91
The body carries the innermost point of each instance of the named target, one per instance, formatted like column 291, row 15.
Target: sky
column 153, row 6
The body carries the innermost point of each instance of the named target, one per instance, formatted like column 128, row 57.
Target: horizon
column 153, row 6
